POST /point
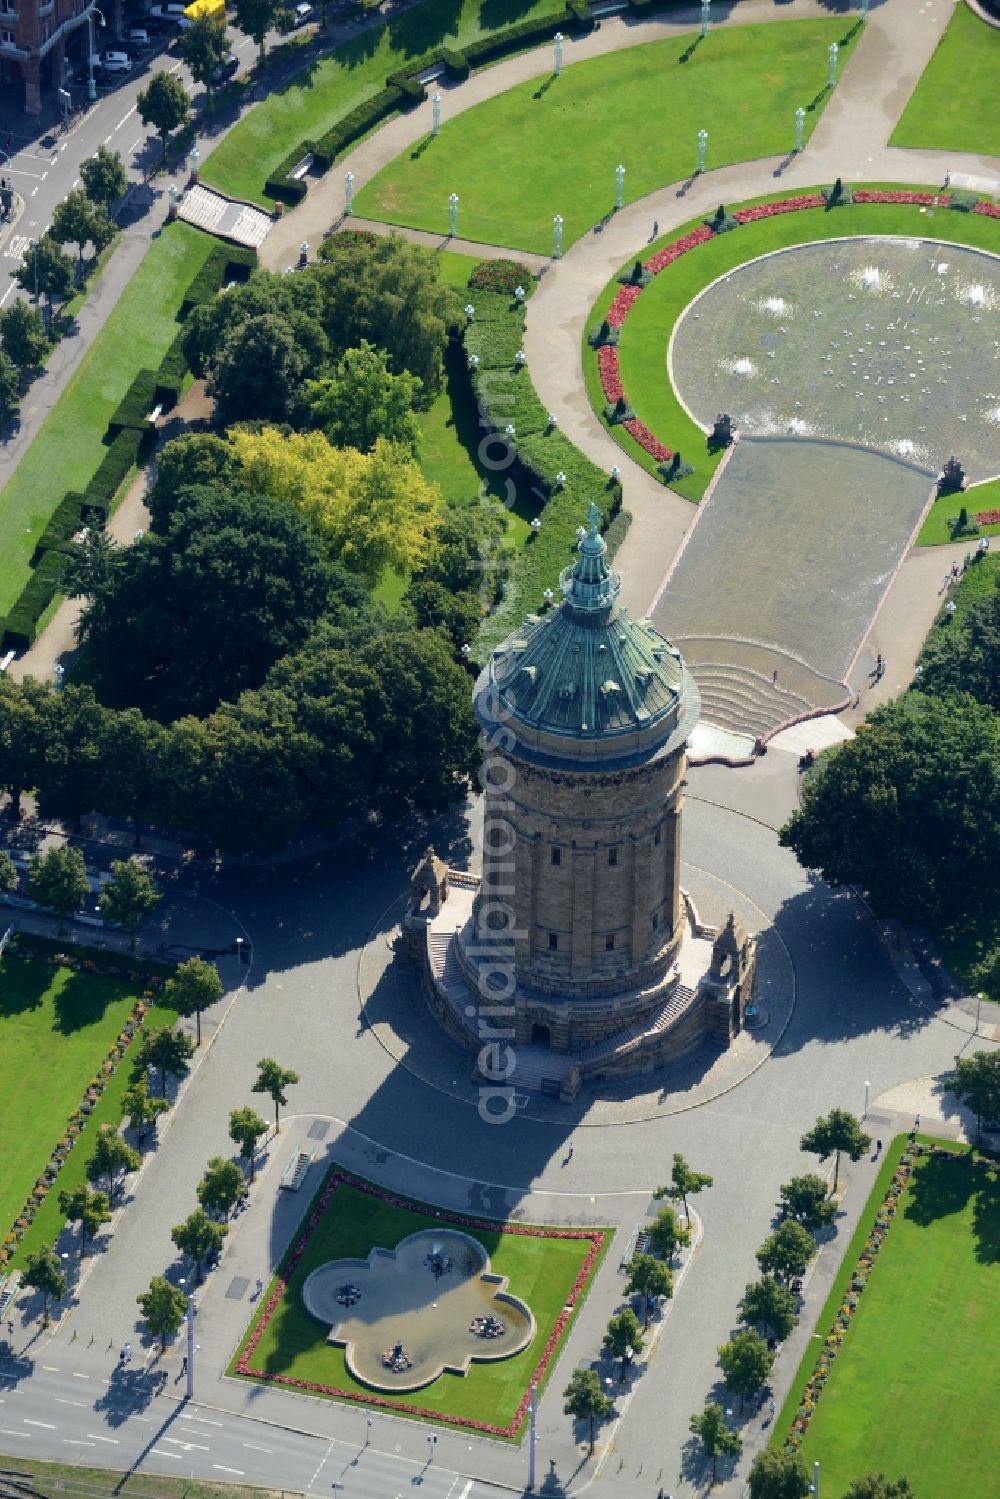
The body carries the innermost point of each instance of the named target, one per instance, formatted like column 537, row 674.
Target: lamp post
column 557, row 229
column 979, row 1007
column 702, row 148
column 190, row 1348
column 831, row 74
column 867, row 1090
column 532, row 1437
column 619, row 185
column 706, row 6
column 558, row 39
column 193, row 157
column 800, row 123
column 368, row 1430
column 431, row 1444
column 348, row 193
column 864, row 10
column 91, row 83
column 34, row 261
column 814, row 1486
column 436, row 115
column 453, row 215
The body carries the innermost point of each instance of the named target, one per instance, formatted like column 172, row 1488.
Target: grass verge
column 980, row 497
column 551, row 146
column 69, row 446
column 542, row 1270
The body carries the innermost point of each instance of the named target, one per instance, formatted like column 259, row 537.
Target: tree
column 198, row 1237
column 69, row 775
column 10, row 386
column 246, row 1127
column 976, row 1083
column 46, row 271
column 113, row 1158
column 649, row 1278
column 585, row 1400
column 163, row 1308
column 909, row 811
column 22, row 736
column 371, row 511
column 684, row 1183
column 362, row 401
column 103, row 177
column 9, row 877
column 58, row 879
column 166, row 1049
column 132, row 757
column 962, row 654
column 806, row 1199
column 43, row 1272
column 256, row 18
column 128, row 896
column 779, row 1473
column 273, row 1079
column 140, row 1108
column 834, row 1133
column 432, row 607
column 259, row 372
column 666, row 1235
column 164, row 105
column 877, row 1486
column 746, row 1362
column 787, row 1251
column 195, row 986
column 199, row 614
column 23, row 335
column 79, row 221
column 770, row 1305
column 623, row 1338
column 89, row 1209
column 715, row 1436
column 204, row 45
column 221, row 1188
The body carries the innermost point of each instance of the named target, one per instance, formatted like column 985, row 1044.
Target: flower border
column 339, row 1178
column 608, row 364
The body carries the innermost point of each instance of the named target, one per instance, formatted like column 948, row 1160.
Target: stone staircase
column 229, row 218
column 613, row 1047
column 738, row 690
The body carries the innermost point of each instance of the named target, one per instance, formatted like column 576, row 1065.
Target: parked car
column 168, row 12
column 228, row 68
column 116, row 62
column 138, row 37
column 304, row 13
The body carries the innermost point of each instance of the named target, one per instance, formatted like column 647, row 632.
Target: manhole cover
column 318, row 1129
column 238, row 1288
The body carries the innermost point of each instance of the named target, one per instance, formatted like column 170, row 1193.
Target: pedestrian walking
column 916, row 1124
column 127, row 1351
column 10, row 1329
column 774, row 677
column 878, row 1148
column 656, row 228
column 121, row 1359
column 184, row 1364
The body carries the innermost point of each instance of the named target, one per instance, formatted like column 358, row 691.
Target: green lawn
column 646, row 333
column 912, row 1390
column 56, row 1027
column 956, row 104
column 540, row 1270
column 69, row 447
column 333, row 85
column 980, row 497
column 552, row 147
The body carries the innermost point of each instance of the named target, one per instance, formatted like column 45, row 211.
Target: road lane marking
column 94, row 1437
column 49, row 1425
column 203, row 1419
column 7, row 1431
column 34, row 190
column 221, row 1469
column 254, row 1448
column 108, row 137
column 81, row 1403
column 138, row 141
column 80, row 1376
column 2, row 301
column 124, row 118
column 76, row 1442
column 179, row 1442
column 50, row 1368
column 159, row 1452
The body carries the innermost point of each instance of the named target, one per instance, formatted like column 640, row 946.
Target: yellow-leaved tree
column 372, row 510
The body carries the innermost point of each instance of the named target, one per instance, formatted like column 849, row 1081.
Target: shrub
column 964, row 201
column 618, row 411
column 412, row 91
column 605, row 334
column 722, row 221
column 838, row 195
column 63, row 526
column 281, row 185
column 636, row 276
column 456, row 65
column 122, row 455
column 36, row 596
column 346, row 239
column 516, row 38
column 580, row 14
column 500, row 276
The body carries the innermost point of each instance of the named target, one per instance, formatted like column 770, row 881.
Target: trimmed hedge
column 225, row 263
column 456, row 65
column 516, row 38
column 65, row 523
column 412, row 90
column 36, row 596
column 503, row 276
column 281, row 185
column 122, row 455
column 354, row 125
column 581, row 15
column 135, row 405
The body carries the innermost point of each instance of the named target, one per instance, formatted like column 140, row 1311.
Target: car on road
column 116, row 62
column 228, row 68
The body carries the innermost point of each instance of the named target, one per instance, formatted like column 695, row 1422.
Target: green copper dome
column 585, row 680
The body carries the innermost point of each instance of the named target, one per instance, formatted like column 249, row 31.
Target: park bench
column 294, row 1173
column 638, row 1243
column 8, row 1291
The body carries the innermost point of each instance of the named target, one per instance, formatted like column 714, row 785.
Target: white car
column 116, row 62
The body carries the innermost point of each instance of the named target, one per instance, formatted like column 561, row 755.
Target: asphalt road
column 48, row 1411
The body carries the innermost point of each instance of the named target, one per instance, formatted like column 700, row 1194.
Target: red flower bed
column 670, row 253
column 780, row 205
column 877, row 195
column 647, row 440
column 988, row 517
column 991, row 210
column 618, row 311
column 491, row 1225
column 611, row 378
